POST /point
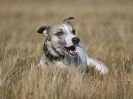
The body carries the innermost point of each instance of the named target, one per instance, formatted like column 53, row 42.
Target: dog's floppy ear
column 67, row 20
column 43, row 30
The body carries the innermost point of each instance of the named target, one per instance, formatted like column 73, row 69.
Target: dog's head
column 62, row 36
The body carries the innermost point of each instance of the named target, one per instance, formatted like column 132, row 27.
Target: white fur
column 68, row 40
column 45, row 33
column 69, row 36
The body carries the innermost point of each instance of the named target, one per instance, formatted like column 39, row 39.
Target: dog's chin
column 71, row 50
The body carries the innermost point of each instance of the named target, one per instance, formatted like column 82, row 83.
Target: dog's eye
column 60, row 33
column 73, row 31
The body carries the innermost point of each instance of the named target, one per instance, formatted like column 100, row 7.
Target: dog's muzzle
column 71, row 50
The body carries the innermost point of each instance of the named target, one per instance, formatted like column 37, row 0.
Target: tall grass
column 105, row 28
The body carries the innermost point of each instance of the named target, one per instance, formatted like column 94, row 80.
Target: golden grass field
column 105, row 28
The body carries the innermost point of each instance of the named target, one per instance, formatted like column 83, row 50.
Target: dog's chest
column 72, row 60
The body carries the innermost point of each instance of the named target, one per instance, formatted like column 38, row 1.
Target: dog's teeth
column 71, row 51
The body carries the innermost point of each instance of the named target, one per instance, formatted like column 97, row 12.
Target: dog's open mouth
column 70, row 50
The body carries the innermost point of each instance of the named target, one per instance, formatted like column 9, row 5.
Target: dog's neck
column 50, row 53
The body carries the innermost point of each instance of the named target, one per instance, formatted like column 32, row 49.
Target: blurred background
column 104, row 26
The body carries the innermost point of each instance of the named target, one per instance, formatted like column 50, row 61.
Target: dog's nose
column 75, row 40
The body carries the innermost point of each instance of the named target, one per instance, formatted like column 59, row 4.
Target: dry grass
column 104, row 26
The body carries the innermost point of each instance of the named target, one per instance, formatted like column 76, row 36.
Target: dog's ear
column 67, row 20
column 43, row 30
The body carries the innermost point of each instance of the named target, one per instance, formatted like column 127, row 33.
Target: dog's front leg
column 60, row 64
column 102, row 68
column 43, row 62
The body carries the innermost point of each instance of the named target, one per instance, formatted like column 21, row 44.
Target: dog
column 63, row 47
